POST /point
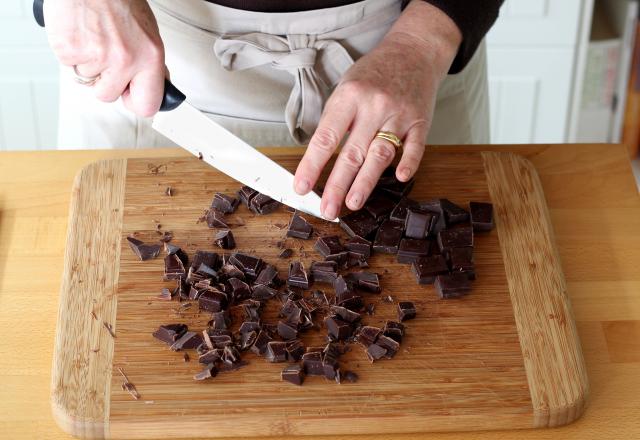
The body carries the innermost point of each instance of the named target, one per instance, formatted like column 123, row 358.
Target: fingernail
column 355, row 201
column 302, row 187
column 405, row 173
column 331, row 211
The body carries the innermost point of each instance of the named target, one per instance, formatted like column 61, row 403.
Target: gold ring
column 391, row 137
column 85, row 80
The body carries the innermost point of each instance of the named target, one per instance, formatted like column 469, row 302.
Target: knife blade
column 195, row 132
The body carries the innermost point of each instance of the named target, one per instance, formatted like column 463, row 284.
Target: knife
column 195, row 132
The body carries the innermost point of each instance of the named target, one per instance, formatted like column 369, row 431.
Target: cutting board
column 506, row 356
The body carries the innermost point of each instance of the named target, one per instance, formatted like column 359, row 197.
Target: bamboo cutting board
column 506, row 356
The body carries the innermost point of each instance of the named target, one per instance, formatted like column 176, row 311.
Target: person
column 379, row 77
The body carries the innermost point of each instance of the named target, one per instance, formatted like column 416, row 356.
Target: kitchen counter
column 594, row 207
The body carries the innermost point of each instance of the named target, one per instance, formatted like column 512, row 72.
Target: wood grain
column 81, row 374
column 548, row 336
column 461, row 367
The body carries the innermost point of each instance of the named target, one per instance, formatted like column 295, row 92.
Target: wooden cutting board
column 506, row 356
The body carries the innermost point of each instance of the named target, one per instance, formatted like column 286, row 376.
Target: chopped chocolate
column 287, row 331
column 260, row 345
column 379, row 206
column 168, row 191
column 341, row 258
column 220, row 320
column 246, row 194
column 173, row 268
column 230, row 271
column 354, row 303
column 391, row 346
column 350, row 376
column 276, row 351
column 461, row 260
column 460, row 236
column 186, row 357
column 438, row 222
column 262, row 293
column 345, row 314
column 393, row 330
column 215, row 219
column 406, row 310
column 411, row 249
column 225, row 240
column 355, row 259
column 209, row 371
column 427, row 268
column 188, row 341
column 170, row 333
column 400, row 211
column 239, row 289
column 370, row 309
column 452, row 285
column 165, row 295
column 359, row 245
column 367, row 335
column 417, row 223
column 388, row 237
column 367, row 281
column 230, row 355
column 248, row 264
column 224, row 203
column 359, row 223
column 295, row 350
column 211, row 356
column 312, row 363
column 209, row 259
column 172, row 249
column 391, row 185
column 286, row 253
column 297, row 275
column 324, row 271
column 481, row 216
column 453, row 213
column 144, row 251
column 268, row 276
column 263, row 204
column 375, row 352
column 128, row 386
column 330, row 367
column 293, row 374
column 337, row 328
column 251, row 310
column 299, row 227
column 328, row 245
column 247, row 340
column 341, row 286
column 212, row 300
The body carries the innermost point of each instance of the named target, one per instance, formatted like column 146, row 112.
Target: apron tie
column 316, row 65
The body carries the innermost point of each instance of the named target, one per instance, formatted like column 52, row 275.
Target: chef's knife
column 195, row 132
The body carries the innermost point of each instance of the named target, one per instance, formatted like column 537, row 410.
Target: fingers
column 145, row 92
column 333, row 125
column 413, row 151
column 351, row 158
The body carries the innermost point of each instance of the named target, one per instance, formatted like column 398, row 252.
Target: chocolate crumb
column 93, row 315
column 186, row 357
column 168, row 191
column 128, row 386
column 287, row 253
column 109, row 328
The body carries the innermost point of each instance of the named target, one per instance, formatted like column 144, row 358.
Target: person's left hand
column 393, row 88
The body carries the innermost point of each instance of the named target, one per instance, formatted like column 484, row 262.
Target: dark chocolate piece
column 246, row 194
column 173, row 268
column 312, row 363
column 330, row 367
column 215, row 219
column 165, row 294
column 324, row 271
column 354, row 303
column 375, row 352
column 220, row 320
column 411, row 249
column 391, row 346
column 400, row 211
column 239, row 289
column 390, row 184
column 341, row 258
column 438, row 222
column 262, row 293
column 367, row 335
column 287, row 331
column 341, row 286
column 293, row 374
column 211, row 356
column 461, row 260
column 393, row 330
column 209, row 371
column 359, row 223
column 350, row 376
column 276, row 351
column 286, row 253
column 452, row 285
column 263, row 204
column 169, row 191
column 460, row 236
column 299, row 227
column 188, row 341
column 259, row 347
column 247, row 340
column 144, row 251
column 453, row 213
column 388, row 237
column 268, row 276
column 355, row 259
column 172, row 249
column 338, row 329
column 417, row 223
column 379, row 206
column 295, row 350
column 328, row 245
column 345, row 314
column 427, row 268
column 210, row 259
column 225, row 240
column 231, row 271
column 406, row 310
column 212, row 300
column 224, row 203
column 297, row 275
column 248, row 264
column 359, row 245
column 170, row 333
column 367, row 281
column 481, row 216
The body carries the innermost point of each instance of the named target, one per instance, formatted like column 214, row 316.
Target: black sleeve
column 474, row 19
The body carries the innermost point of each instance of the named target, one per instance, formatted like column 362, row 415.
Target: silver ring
column 85, row 80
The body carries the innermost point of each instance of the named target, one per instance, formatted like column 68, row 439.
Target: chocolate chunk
column 370, row 309
column 345, row 314
column 210, row 259
column 353, row 302
column 461, row 260
column 287, row 331
column 367, row 281
column 341, row 258
column 293, row 374
column 276, row 351
column 239, row 289
column 172, row 249
column 220, row 320
column 144, row 251
column 400, row 211
column 188, row 341
column 295, row 350
column 173, row 268
column 299, row 227
column 263, row 204
column 165, row 294
column 268, row 276
column 389, row 184
column 225, row 240
column 457, row 237
column 211, row 356
column 481, row 216
column 262, row 293
column 297, row 275
column 350, row 376
column 359, row 245
column 337, row 328
column 393, row 330
column 328, row 245
column 286, row 253
column 312, row 363
column 324, row 271
column 170, row 333
column 340, row 286
column 391, row 346
column 247, row 340
column 379, row 206
column 452, row 285
column 251, row 310
column 248, row 264
column 427, row 268
column 230, row 355
column 231, row 271
column 212, row 300
column 209, row 371
column 224, row 203
column 367, row 335
column 438, row 222
column 359, row 223
column 246, row 194
column 356, row 260
column 249, row 326
column 411, row 249
column 215, row 219
column 260, row 345
column 406, row 310
column 388, row 237
column 330, row 367
column 417, row 223
column 375, row 352
column 453, row 213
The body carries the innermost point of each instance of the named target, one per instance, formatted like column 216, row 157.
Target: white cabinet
column 535, row 52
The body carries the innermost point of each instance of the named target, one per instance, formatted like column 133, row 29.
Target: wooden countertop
column 595, row 211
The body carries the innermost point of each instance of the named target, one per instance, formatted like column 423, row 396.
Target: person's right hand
column 116, row 39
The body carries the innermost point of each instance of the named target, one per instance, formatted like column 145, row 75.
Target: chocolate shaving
column 128, row 386
column 109, row 329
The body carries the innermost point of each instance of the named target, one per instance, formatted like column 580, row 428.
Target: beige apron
column 266, row 76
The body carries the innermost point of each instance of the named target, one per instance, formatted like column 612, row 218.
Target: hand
column 116, row 39
column 392, row 88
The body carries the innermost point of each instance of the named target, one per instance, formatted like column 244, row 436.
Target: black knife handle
column 172, row 96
